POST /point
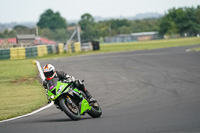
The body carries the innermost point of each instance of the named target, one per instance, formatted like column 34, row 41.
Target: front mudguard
column 84, row 106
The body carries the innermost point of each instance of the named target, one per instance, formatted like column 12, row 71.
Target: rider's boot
column 89, row 97
column 81, row 87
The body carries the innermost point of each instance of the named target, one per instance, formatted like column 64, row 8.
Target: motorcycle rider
column 50, row 73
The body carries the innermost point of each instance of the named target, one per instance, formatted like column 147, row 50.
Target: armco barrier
column 86, row 46
column 4, row 54
column 49, row 50
column 55, row 49
column 34, row 52
column 31, row 52
column 17, row 53
column 28, row 52
column 42, row 50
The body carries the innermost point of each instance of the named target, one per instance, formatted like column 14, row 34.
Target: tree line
column 96, row 30
column 181, row 21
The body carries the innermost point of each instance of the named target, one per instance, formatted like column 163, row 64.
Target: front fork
column 81, row 102
column 69, row 100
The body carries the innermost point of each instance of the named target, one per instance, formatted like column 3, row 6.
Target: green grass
column 145, row 45
column 196, row 49
column 132, row 46
column 21, row 92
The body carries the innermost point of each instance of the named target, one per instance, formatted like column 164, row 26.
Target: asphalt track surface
column 151, row 91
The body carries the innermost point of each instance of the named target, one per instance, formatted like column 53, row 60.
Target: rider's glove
column 73, row 79
column 44, row 84
column 70, row 79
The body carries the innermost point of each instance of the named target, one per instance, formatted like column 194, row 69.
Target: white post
column 78, row 32
column 36, row 31
column 70, row 40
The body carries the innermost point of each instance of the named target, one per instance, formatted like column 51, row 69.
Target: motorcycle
column 71, row 100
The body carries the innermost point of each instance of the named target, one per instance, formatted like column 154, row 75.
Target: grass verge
column 154, row 44
column 131, row 46
column 21, row 92
column 196, row 49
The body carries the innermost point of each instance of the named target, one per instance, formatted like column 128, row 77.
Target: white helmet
column 49, row 71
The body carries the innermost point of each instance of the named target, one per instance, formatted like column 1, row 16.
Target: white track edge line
column 40, row 70
column 188, row 50
column 36, row 111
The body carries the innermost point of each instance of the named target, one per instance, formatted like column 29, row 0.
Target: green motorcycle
column 71, row 100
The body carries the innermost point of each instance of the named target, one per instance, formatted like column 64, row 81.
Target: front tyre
column 69, row 108
column 95, row 111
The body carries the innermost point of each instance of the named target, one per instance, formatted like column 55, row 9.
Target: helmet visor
column 48, row 74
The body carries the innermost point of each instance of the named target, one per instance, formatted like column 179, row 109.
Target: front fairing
column 55, row 88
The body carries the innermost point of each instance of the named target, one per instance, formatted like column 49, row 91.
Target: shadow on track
column 61, row 120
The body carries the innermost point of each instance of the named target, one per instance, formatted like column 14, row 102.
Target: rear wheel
column 70, row 108
column 95, row 111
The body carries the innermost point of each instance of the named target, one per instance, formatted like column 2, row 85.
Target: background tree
column 88, row 27
column 8, row 34
column 53, row 26
column 103, row 29
column 118, row 26
column 168, row 27
column 144, row 25
column 181, row 21
column 86, row 19
column 92, row 30
column 51, row 20
column 20, row 29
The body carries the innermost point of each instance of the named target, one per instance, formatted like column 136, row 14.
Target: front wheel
column 69, row 108
column 95, row 111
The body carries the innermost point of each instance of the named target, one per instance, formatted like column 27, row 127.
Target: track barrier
column 43, row 50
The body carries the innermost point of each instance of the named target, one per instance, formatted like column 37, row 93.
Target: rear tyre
column 70, row 109
column 95, row 111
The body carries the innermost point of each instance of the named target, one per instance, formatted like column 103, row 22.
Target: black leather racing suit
column 67, row 78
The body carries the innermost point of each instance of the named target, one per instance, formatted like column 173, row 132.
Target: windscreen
column 52, row 83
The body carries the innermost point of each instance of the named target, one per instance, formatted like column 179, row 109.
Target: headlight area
column 52, row 97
